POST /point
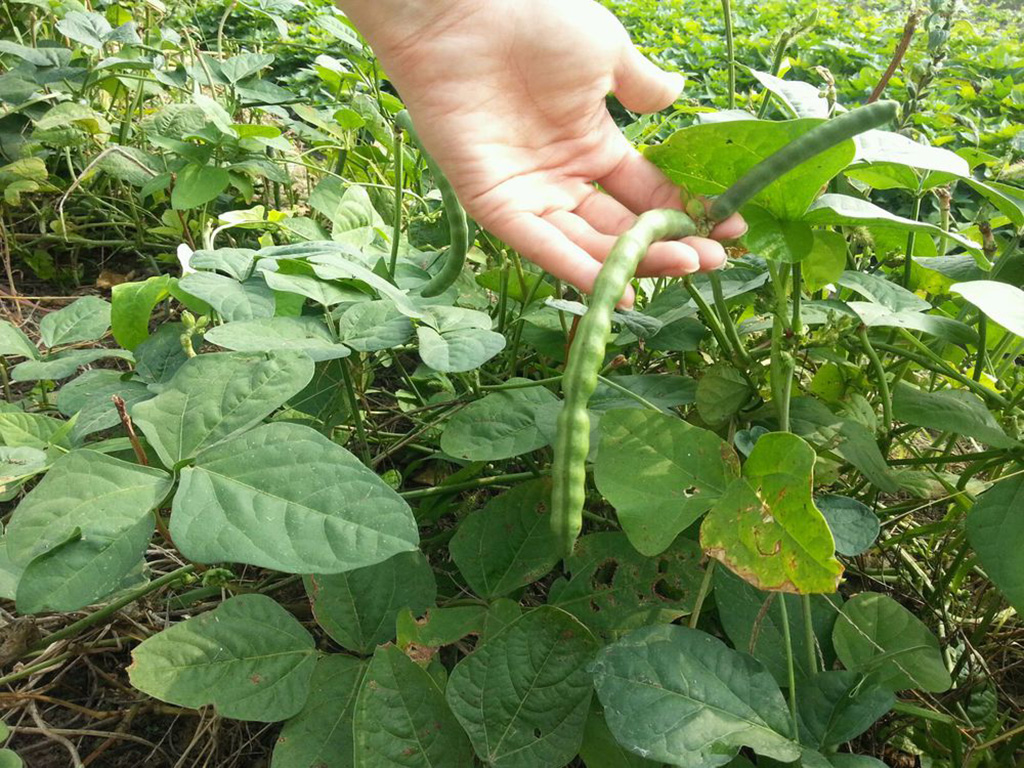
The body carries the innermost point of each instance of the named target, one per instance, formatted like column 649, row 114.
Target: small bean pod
column 585, row 358
column 458, row 224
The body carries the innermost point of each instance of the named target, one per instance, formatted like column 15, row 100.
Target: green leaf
column 685, row 469
column 854, row 526
column 162, row 354
column 248, row 657
column 680, row 696
column 322, row 292
column 17, row 464
column 526, row 708
column 663, row 390
column 826, row 261
column 374, row 325
column 306, row 334
column 800, row 99
column 105, row 505
column 758, row 629
column 1002, row 302
column 880, row 638
column 833, row 707
column 401, row 718
column 283, row 496
column 855, row 761
column 133, row 305
column 945, row 328
column 706, row 159
column 893, row 297
column 197, row 185
column 601, row 750
column 233, row 262
column 441, row 626
column 517, row 289
column 63, row 364
column 212, row 397
column 721, row 393
column 950, row 410
column 335, row 261
column 231, row 299
column 358, row 609
column 499, row 426
column 995, row 528
column 459, row 350
column 321, row 734
column 86, row 319
column 245, row 65
column 768, row 237
column 10, row 759
column 765, row 526
column 612, row 588
column 834, row 210
column 89, row 29
column 509, row 543
column 90, row 397
column 31, row 430
column 14, row 342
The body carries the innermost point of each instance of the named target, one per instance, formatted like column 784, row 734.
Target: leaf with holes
column 358, row 608
column 765, row 526
column 684, row 468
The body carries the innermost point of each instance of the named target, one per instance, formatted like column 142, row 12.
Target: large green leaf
column 721, row 393
column 197, row 185
column 132, row 306
column 14, row 342
column 374, row 325
column 248, row 657
column 612, row 588
column 877, row 636
column 768, row 237
column 950, row 410
column 283, row 496
column 162, row 354
column 680, row 696
column 509, row 543
column 231, row 299
column 306, row 334
column 458, row 350
column 29, row 430
column 97, row 509
column 1002, row 302
column 19, row 463
column 752, row 620
column 684, row 470
column 884, row 292
column 766, row 528
column 212, row 397
column 401, row 718
column 995, row 528
column 499, row 426
column 853, row 524
column 358, row 608
column 523, row 696
column 834, row 708
column 321, row 735
column 601, row 750
column 663, row 390
column 706, row 159
column 945, row 328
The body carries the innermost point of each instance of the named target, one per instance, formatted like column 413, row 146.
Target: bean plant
column 332, row 461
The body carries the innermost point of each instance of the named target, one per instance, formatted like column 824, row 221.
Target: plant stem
column 730, row 51
column 883, row 382
column 480, row 482
column 357, row 418
column 709, row 315
column 897, row 57
column 109, row 610
column 811, row 640
column 790, row 667
column 726, row 319
column 911, row 240
column 396, row 232
column 703, row 592
column 979, row 361
column 632, row 395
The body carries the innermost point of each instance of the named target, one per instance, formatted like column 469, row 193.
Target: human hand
column 509, row 98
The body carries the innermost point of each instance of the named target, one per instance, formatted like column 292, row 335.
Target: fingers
column 607, row 215
column 552, row 250
column 635, row 181
column 668, row 259
column 642, row 86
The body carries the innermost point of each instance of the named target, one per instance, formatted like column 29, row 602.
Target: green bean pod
column 458, row 225
column 817, row 140
column 572, row 442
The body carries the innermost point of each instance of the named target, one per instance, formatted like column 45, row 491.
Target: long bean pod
column 817, row 140
column 458, row 225
column 581, row 372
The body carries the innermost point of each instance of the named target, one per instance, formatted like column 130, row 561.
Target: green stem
column 357, row 418
column 727, row 322
column 480, row 482
column 979, row 362
column 702, row 594
column 730, row 51
column 630, row 394
column 911, row 241
column 798, row 323
column 883, row 382
column 810, row 639
column 709, row 315
column 946, row 370
column 396, row 231
column 790, row 667
column 94, row 618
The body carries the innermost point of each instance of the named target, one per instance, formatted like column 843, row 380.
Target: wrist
column 388, row 24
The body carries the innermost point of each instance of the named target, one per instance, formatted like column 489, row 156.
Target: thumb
column 642, row 86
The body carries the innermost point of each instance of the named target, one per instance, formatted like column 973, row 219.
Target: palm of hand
column 513, row 109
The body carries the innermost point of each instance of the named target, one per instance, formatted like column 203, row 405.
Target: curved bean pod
column 458, row 225
column 585, row 358
column 814, row 142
